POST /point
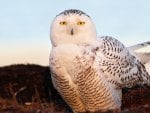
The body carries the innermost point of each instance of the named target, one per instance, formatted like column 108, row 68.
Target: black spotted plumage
column 119, row 65
column 73, row 11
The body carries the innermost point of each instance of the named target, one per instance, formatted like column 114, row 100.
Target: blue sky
column 25, row 25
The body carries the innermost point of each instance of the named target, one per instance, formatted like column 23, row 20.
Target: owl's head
column 72, row 27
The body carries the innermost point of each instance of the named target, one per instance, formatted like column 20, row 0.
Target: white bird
column 90, row 72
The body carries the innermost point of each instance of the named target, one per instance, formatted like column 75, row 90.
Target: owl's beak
column 72, row 31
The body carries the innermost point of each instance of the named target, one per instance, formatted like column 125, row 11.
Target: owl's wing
column 139, row 46
column 121, row 68
column 142, row 51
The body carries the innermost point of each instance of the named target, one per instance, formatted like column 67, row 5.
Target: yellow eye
column 80, row 23
column 63, row 23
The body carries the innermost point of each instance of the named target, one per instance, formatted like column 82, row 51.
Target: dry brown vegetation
column 28, row 89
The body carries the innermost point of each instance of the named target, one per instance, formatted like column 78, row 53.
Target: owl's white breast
column 67, row 51
column 66, row 54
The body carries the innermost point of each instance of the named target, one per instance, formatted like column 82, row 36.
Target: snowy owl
column 90, row 72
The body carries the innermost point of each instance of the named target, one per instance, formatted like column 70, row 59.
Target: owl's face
column 72, row 27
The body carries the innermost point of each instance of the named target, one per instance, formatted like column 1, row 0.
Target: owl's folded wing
column 121, row 68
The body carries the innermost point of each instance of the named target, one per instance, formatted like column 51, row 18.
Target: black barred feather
column 119, row 65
